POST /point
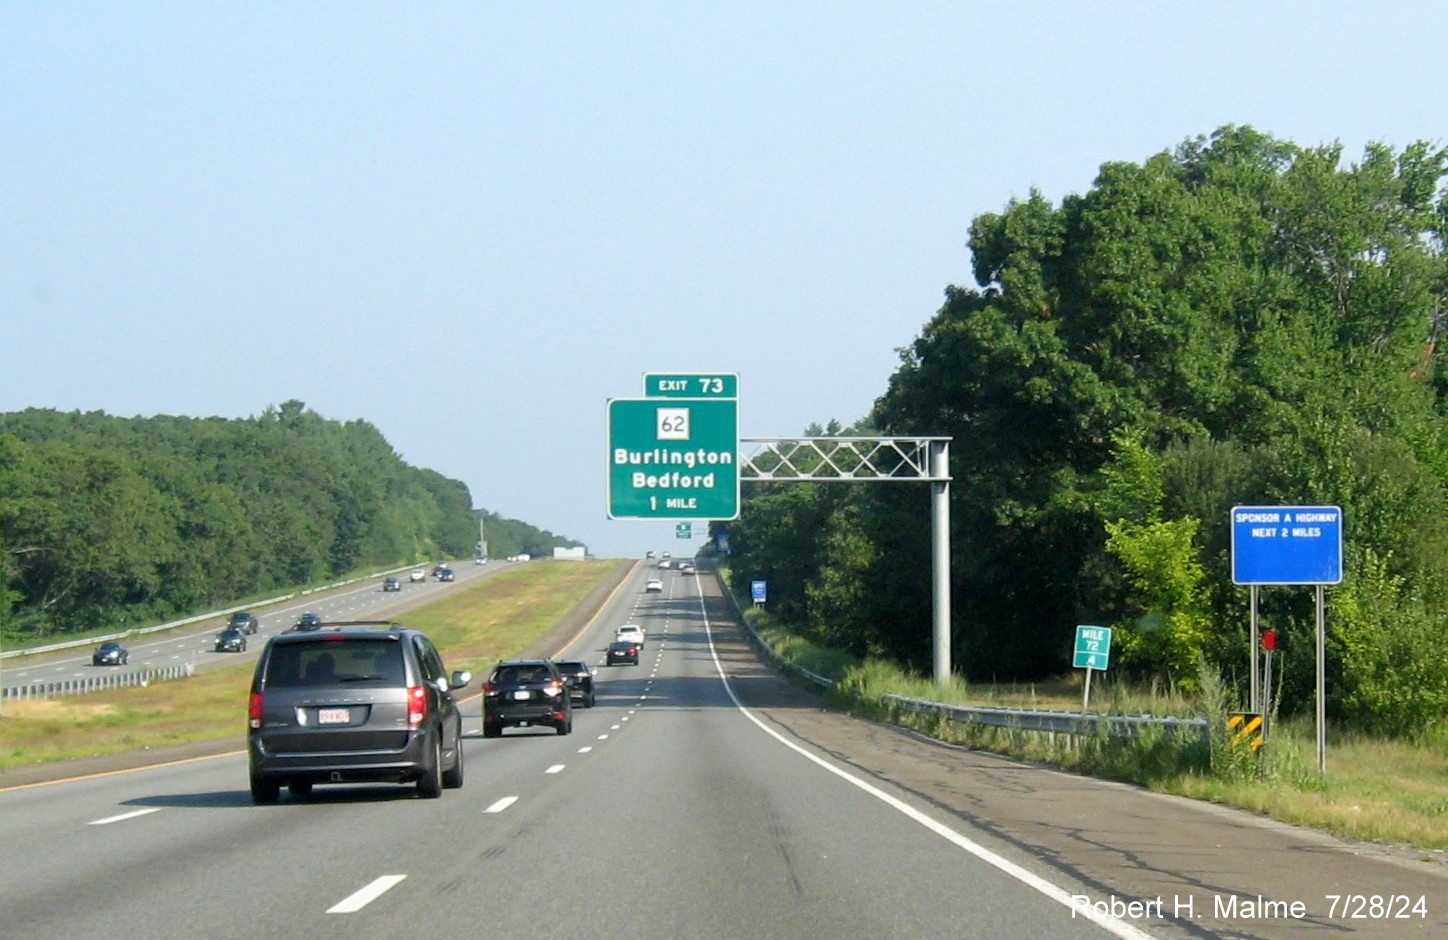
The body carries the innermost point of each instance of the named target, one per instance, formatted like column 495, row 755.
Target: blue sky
column 471, row 224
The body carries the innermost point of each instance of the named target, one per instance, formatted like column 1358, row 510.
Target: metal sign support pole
column 1253, row 651
column 1321, row 680
column 1266, row 696
column 940, row 556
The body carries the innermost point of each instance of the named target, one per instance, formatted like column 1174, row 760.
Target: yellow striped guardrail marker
column 1246, row 727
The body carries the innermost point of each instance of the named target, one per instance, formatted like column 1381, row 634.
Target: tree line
column 107, row 520
column 1238, row 321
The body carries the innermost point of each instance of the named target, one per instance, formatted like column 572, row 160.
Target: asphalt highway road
column 703, row 797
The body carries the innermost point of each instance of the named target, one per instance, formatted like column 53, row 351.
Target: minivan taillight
column 253, row 710
column 416, row 705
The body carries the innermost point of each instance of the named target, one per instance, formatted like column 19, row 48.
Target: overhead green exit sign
column 673, row 458
column 691, row 384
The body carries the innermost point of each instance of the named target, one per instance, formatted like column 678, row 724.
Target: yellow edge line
column 125, row 770
column 594, row 619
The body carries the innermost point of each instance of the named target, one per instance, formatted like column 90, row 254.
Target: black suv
column 308, row 621
column 353, row 702
column 231, row 640
column 579, row 678
column 245, row 621
column 523, row 692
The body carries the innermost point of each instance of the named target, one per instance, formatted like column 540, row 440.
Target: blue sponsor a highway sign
column 759, row 591
column 1093, row 647
column 1286, row 545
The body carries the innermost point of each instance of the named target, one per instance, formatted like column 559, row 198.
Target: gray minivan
column 353, row 702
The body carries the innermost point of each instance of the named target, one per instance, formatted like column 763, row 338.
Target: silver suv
column 353, row 702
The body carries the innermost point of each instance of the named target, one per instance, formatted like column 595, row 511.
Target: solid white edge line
column 501, row 805
column 555, row 769
column 132, row 815
column 360, row 899
column 1031, row 880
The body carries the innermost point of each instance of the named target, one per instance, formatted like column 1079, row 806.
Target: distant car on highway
column 653, row 586
column 524, row 692
column 110, row 654
column 686, row 567
column 308, row 621
column 245, row 621
column 623, row 651
column 391, row 584
column 579, row 678
column 418, row 574
column 231, row 640
column 631, row 632
column 446, row 574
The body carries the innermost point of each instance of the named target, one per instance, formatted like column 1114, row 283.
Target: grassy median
column 473, row 627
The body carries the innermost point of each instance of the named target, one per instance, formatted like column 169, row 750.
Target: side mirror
column 461, row 678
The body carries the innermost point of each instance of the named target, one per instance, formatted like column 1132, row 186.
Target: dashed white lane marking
column 603, row 737
column 555, row 769
column 615, row 727
column 359, row 900
column 585, row 750
column 501, row 805
column 110, row 819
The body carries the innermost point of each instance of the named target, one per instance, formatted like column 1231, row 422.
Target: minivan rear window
column 360, row 662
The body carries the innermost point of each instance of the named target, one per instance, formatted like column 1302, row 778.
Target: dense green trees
column 108, row 519
column 1242, row 320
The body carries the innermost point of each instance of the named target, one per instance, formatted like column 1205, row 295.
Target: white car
column 418, row 574
column 631, row 632
column 653, row 586
column 686, row 567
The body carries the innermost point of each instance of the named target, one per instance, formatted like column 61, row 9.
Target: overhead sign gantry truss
column 871, row 460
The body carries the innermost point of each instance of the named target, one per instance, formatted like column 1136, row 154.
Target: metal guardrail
column 1021, row 718
column 1054, row 722
column 281, row 598
column 42, row 690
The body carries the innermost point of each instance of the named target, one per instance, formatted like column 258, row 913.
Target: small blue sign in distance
column 1286, row 545
column 758, row 591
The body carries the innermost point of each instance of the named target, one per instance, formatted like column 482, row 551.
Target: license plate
column 334, row 716
column 520, row 696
